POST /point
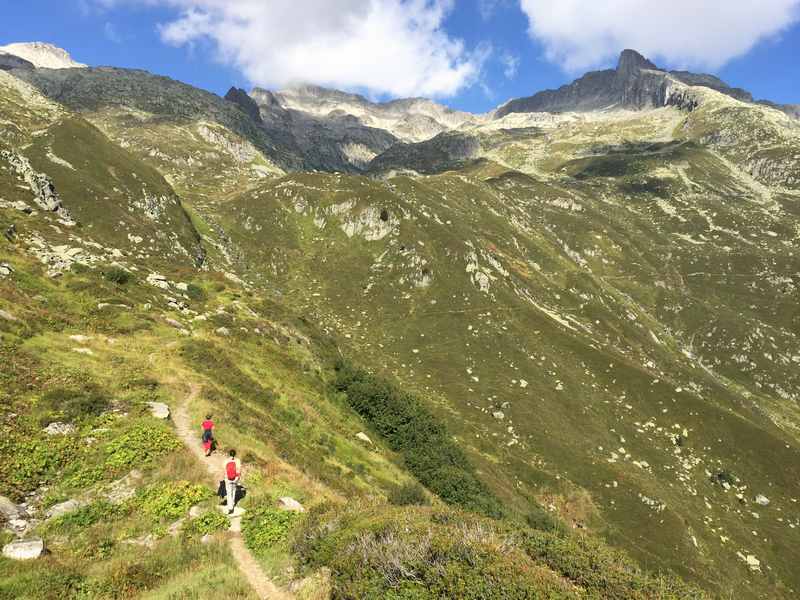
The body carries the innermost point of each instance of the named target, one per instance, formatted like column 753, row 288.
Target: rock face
column 636, row 84
column 239, row 97
column 44, row 192
column 10, row 61
column 24, row 549
column 9, row 510
column 63, row 508
column 42, row 55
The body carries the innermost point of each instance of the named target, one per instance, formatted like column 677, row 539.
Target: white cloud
column 690, row 33
column 394, row 47
column 510, row 65
column 111, row 33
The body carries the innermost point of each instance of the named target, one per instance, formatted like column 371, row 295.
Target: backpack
column 230, row 470
column 207, row 435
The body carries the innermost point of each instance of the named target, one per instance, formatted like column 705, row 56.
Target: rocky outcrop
column 42, row 55
column 44, row 192
column 10, row 61
column 445, row 151
column 240, row 98
column 635, row 84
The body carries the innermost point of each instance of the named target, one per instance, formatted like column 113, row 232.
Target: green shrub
column 140, row 445
column 171, row 499
column 412, row 430
column 263, row 527
column 207, row 523
column 543, row 520
column 86, row 516
column 196, row 293
column 409, row 493
column 72, row 404
column 117, row 275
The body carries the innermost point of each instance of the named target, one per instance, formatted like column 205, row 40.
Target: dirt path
column 215, row 465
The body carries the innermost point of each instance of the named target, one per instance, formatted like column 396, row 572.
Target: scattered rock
column 8, row 316
column 9, row 509
column 223, row 331
column 18, row 526
column 753, row 562
column 159, row 410
column 184, row 287
column 123, row 489
column 6, row 269
column 499, row 415
column 196, row 511
column 147, row 541
column 206, row 539
column 290, row 504
column 158, row 281
column 762, row 500
column 86, row 351
column 24, row 549
column 63, row 508
column 175, row 528
column 174, row 323
column 57, row 428
column 80, row 339
column 364, row 437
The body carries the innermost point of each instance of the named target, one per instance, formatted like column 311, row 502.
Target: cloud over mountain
column 395, row 47
column 579, row 34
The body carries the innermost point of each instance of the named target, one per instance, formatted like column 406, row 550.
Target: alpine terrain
column 546, row 352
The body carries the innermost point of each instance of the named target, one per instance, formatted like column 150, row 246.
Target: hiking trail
column 215, row 465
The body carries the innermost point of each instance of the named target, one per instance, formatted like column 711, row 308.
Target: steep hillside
column 552, row 331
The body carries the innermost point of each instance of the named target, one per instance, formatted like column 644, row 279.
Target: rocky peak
column 42, row 55
column 239, row 97
column 631, row 62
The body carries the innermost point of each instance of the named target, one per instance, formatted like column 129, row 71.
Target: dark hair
column 208, row 417
column 232, row 453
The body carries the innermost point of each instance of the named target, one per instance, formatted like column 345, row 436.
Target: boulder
column 9, row 509
column 6, row 269
column 223, row 331
column 8, row 316
column 290, row 504
column 499, row 415
column 63, row 508
column 123, row 489
column 364, row 437
column 57, row 428
column 159, row 410
column 24, row 549
column 762, row 500
column 173, row 323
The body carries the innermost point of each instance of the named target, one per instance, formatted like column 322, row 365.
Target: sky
column 469, row 54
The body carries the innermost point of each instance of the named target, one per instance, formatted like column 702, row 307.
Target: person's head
column 232, row 453
column 208, row 417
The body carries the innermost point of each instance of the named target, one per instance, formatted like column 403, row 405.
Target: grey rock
column 762, row 500
column 57, row 428
column 63, row 508
column 6, row 270
column 363, row 437
column 24, row 549
column 123, row 489
column 9, row 509
column 499, row 415
column 290, row 504
column 224, row 331
column 159, row 410
column 8, row 316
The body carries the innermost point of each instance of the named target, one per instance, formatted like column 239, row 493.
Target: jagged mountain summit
column 636, row 83
column 42, row 55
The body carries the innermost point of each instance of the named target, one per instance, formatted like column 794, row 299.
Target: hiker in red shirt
column 208, row 435
column 233, row 473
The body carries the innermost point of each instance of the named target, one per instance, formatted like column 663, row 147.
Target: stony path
column 215, row 464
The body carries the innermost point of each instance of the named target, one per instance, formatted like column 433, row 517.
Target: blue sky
column 470, row 54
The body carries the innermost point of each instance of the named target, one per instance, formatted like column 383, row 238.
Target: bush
column 140, row 445
column 171, row 499
column 86, row 516
column 70, row 404
column 196, row 293
column 117, row 275
column 410, row 493
column 265, row 526
column 543, row 520
column 412, row 430
column 208, row 523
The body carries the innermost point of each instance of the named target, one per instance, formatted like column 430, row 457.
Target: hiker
column 208, row 435
column 233, row 473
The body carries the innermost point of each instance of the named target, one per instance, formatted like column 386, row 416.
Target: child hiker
column 208, row 435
